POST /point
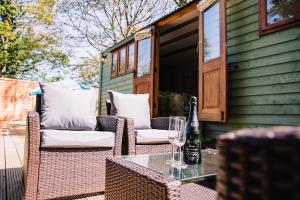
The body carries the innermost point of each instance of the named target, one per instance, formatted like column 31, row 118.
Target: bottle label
column 192, row 153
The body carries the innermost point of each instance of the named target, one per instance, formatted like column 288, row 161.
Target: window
column 123, row 60
column 212, row 33
column 130, row 65
column 144, row 57
column 122, row 66
column 114, row 63
column 278, row 14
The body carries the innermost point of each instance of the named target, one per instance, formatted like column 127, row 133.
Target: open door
column 212, row 61
column 145, row 54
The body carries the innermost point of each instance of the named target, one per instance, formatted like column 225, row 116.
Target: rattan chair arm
column 160, row 123
column 32, row 155
column 120, row 172
column 113, row 124
column 129, row 135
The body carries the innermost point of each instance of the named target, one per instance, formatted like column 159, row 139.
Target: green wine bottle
column 192, row 147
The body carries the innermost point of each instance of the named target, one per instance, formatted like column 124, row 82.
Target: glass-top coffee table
column 158, row 163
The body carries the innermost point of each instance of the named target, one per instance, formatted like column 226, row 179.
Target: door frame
column 153, row 96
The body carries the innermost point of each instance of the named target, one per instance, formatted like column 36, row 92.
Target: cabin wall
column 263, row 73
column 122, row 83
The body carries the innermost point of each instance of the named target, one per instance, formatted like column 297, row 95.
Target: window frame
column 264, row 28
column 114, row 74
column 117, row 51
column 126, row 60
column 131, row 69
column 137, row 55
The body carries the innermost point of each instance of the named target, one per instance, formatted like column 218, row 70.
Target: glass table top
column 158, row 163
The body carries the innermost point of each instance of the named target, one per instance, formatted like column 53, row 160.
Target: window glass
column 278, row 10
column 211, row 28
column 131, row 56
column 122, row 67
column 144, row 57
column 114, row 64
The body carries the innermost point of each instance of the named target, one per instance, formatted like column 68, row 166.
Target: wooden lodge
column 241, row 58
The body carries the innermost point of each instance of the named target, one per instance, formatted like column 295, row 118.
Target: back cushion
column 135, row 106
column 68, row 109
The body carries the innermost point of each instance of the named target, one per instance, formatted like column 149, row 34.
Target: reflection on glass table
column 157, row 162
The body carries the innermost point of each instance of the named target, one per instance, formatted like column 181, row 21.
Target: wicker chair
column 130, row 147
column 57, row 172
column 260, row 164
column 127, row 181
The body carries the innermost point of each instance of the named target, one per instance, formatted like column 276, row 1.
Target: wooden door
column 212, row 61
column 144, row 76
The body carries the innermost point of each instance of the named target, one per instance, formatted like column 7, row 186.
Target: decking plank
column 2, row 169
column 14, row 179
column 19, row 144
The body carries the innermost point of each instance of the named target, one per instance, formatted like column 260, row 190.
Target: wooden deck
column 11, row 174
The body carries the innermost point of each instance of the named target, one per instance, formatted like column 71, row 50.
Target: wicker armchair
column 261, row 164
column 130, row 147
column 58, row 172
column 127, row 181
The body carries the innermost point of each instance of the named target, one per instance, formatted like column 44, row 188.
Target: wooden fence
column 15, row 101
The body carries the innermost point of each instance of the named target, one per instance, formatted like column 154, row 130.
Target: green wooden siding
column 263, row 73
column 122, row 83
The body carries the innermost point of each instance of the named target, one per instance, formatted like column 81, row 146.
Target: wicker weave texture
column 131, row 148
column 72, row 172
column 259, row 164
column 127, row 181
column 56, row 173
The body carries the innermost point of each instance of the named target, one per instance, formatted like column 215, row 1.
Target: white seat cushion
column 67, row 109
column 151, row 136
column 134, row 106
column 76, row 139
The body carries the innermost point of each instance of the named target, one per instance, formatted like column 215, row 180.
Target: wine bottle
column 192, row 147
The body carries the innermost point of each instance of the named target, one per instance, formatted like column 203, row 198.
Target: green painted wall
column 263, row 73
column 122, row 84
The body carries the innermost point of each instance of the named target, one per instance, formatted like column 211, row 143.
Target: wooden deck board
column 11, row 173
column 2, row 169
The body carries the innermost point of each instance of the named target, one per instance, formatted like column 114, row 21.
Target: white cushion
column 68, row 109
column 76, row 139
column 135, row 106
column 151, row 136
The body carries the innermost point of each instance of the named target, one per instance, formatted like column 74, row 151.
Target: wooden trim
column 179, row 26
column 203, row 5
column 114, row 74
column 218, row 66
column 152, row 66
column 178, row 14
column 156, row 74
column 265, row 28
column 180, row 37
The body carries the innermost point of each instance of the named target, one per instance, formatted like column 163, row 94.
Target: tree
column 27, row 41
column 180, row 3
column 103, row 23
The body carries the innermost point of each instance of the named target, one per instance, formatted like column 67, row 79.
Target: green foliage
column 26, row 41
column 89, row 71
